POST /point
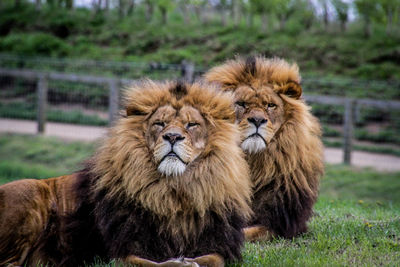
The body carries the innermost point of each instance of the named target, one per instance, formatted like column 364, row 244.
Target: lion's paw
column 191, row 261
column 178, row 263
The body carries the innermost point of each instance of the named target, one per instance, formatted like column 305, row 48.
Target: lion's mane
column 286, row 174
column 138, row 211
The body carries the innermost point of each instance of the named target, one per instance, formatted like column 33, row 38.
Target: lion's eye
column 159, row 123
column 271, row 105
column 241, row 104
column 192, row 124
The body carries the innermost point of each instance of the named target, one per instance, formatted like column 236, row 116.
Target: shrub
column 34, row 44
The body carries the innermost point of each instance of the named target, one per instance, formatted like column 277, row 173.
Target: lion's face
column 176, row 137
column 260, row 114
column 262, row 88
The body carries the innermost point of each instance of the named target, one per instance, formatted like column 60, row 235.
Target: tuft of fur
column 121, row 205
column 286, row 173
column 255, row 71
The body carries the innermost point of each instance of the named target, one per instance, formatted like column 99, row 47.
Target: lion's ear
column 291, row 89
column 130, row 111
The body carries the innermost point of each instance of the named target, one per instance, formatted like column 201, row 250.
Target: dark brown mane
column 250, row 65
column 179, row 90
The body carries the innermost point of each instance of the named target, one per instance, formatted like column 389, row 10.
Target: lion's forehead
column 184, row 114
column 259, row 96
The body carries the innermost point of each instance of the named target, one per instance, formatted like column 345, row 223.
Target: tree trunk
column 121, row 8
column 367, row 27
column 282, row 23
column 343, row 26
column 38, row 4
column 17, row 3
column 236, row 12
column 185, row 13
column 107, row 5
column 164, row 15
column 204, row 15
column 249, row 19
column 131, row 7
column 69, row 4
column 149, row 11
column 389, row 22
column 223, row 17
column 326, row 15
column 197, row 11
column 264, row 22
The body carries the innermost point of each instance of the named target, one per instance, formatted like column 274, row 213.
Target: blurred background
column 64, row 63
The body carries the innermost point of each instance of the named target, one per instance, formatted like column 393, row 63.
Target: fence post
column 113, row 101
column 348, row 130
column 42, row 87
column 187, row 71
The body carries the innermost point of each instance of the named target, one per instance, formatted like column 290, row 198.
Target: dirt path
column 71, row 132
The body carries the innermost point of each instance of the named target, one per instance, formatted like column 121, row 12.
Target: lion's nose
column 257, row 121
column 173, row 137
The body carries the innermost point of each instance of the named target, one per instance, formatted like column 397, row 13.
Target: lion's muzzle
column 255, row 135
column 173, row 153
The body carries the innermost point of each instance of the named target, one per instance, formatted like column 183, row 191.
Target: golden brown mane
column 217, row 182
column 287, row 172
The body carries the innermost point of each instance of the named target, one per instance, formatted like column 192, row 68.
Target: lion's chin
column 172, row 166
column 253, row 144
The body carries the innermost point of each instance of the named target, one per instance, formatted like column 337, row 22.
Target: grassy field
column 356, row 221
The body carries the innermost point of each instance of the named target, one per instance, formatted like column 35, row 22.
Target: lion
column 281, row 140
column 168, row 187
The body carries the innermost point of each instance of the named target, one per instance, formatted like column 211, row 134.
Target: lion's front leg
column 137, row 261
column 257, row 233
column 211, row 260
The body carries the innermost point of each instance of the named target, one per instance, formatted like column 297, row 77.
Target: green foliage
column 328, row 113
column 34, row 44
column 366, row 8
column 342, row 9
column 330, row 132
column 61, row 23
column 15, row 17
column 99, row 35
column 383, row 136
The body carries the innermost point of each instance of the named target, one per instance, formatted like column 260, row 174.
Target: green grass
column 341, row 233
column 24, row 156
column 356, row 220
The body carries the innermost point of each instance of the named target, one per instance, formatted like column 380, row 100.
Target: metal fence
column 94, row 99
